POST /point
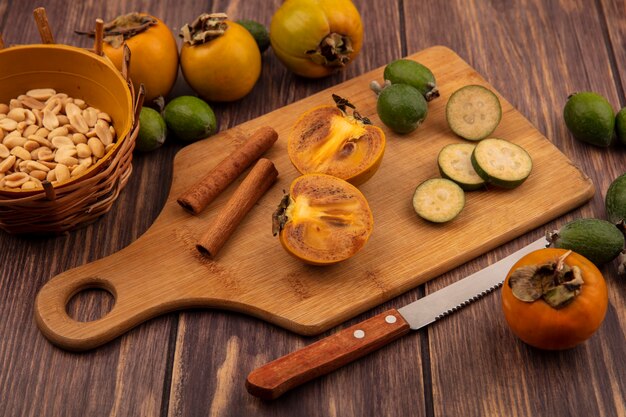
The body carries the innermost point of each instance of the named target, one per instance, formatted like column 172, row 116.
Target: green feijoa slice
column 438, row 200
column 590, row 118
column 501, row 163
column 620, row 125
column 597, row 240
column 615, row 200
column 407, row 71
column 473, row 112
column 455, row 163
column 401, row 108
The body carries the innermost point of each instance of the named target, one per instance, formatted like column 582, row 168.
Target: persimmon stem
column 122, row 28
column 554, row 282
column 205, row 28
column 559, row 266
column 333, row 51
column 342, row 103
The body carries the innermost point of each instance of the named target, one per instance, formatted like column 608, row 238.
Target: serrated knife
column 324, row 356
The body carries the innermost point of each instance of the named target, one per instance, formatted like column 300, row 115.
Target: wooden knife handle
column 324, row 356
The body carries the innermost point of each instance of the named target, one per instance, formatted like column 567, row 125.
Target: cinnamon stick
column 1, row 42
column 208, row 188
column 256, row 183
column 41, row 19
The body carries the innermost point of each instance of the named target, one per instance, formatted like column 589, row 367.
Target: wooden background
column 194, row 363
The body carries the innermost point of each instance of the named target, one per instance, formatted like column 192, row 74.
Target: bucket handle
column 126, row 63
column 42, row 24
column 139, row 104
column 99, row 37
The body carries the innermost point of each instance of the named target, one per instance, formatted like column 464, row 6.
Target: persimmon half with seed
column 323, row 220
column 327, row 140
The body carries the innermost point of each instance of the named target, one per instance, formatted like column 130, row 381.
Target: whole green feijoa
column 258, row 32
column 407, row 71
column 597, row 240
column 590, row 118
column 615, row 200
column 620, row 125
column 401, row 107
column 152, row 130
column 189, row 118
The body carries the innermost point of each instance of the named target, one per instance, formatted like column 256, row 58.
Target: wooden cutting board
column 162, row 271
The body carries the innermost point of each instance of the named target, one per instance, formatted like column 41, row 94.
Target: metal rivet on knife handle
column 391, row 319
column 359, row 334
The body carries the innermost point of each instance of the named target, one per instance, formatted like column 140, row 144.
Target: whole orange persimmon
column 554, row 299
column 154, row 53
column 315, row 38
column 219, row 58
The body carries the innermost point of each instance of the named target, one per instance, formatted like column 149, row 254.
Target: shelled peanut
column 45, row 135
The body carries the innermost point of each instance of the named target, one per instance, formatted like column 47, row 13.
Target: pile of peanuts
column 45, row 135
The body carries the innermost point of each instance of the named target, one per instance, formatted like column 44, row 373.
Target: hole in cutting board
column 90, row 304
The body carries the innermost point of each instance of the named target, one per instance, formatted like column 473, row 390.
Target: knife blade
column 324, row 356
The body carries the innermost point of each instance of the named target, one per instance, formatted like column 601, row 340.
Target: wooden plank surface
column 539, row 67
column 194, row 363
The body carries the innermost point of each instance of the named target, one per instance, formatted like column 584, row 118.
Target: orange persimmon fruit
column 219, row 58
column 154, row 53
column 554, row 299
column 315, row 38
column 323, row 220
column 327, row 140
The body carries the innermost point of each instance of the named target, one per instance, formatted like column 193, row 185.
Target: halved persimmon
column 323, row 220
column 327, row 140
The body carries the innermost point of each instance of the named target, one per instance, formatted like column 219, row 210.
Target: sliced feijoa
column 455, row 163
column 501, row 163
column 438, row 200
column 473, row 112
